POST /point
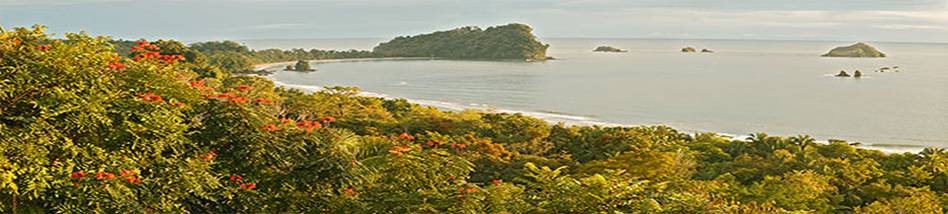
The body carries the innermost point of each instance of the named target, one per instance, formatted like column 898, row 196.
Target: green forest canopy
column 511, row 41
column 84, row 129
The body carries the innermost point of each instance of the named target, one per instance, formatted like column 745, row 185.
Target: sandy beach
column 273, row 65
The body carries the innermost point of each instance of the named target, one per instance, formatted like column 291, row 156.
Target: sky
column 201, row 20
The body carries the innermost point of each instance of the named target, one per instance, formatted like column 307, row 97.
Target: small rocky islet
column 301, row 66
column 858, row 74
column 609, row 49
column 856, row 50
column 695, row 50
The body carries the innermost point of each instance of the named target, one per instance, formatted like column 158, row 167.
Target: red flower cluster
column 209, row 156
column 434, row 143
column 406, row 136
column 237, row 179
column 497, row 182
column 270, row 127
column 248, row 186
column 263, row 101
column 133, row 180
column 116, row 66
column 128, row 174
column 147, row 55
column 170, row 58
column 198, row 84
column 143, row 45
column 222, row 96
column 398, row 150
column 104, row 176
column 150, row 97
column 78, row 175
column 458, row 146
column 151, row 51
column 130, row 177
column 329, row 119
column 239, row 100
column 309, row 125
column 350, row 191
column 468, row 190
column 44, row 47
column 244, row 88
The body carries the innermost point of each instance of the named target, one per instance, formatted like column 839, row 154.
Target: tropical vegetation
column 85, row 129
column 506, row 42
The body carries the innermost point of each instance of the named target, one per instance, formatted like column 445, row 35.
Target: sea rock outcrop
column 855, row 50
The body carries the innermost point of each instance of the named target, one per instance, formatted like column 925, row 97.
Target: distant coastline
column 551, row 117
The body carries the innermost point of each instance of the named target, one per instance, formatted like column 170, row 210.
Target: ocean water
column 776, row 87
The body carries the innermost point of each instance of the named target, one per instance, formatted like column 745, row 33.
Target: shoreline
column 271, row 65
column 552, row 118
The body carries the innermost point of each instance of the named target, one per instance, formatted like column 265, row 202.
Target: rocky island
column 301, row 65
column 609, row 49
column 707, row 50
column 855, row 50
column 688, row 50
column 506, row 42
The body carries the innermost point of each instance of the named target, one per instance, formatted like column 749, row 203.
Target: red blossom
column 470, row 190
column 116, row 66
column 398, row 150
column 238, row 100
column 197, row 84
column 309, row 125
column 150, row 97
column 104, row 176
column 153, row 47
column 178, row 104
column 126, row 173
column 497, row 182
column 44, row 47
column 225, row 96
column 434, row 143
column 133, row 180
column 137, row 48
column 236, row 178
column 209, row 156
column 270, row 127
column 406, row 136
column 78, row 175
column 244, row 88
column 248, row 186
column 263, row 101
column 329, row 119
column 284, row 120
column 350, row 191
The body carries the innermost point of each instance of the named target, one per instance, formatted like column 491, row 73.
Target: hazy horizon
column 809, row 20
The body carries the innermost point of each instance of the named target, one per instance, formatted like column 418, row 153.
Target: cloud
column 911, row 27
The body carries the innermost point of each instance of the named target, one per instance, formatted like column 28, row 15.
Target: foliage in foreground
column 84, row 130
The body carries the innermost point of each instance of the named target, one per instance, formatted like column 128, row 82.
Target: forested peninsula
column 90, row 127
column 506, row 42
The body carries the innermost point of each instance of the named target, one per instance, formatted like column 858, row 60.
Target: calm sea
column 777, row 87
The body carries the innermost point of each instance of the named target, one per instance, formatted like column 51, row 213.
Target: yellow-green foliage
column 84, row 130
